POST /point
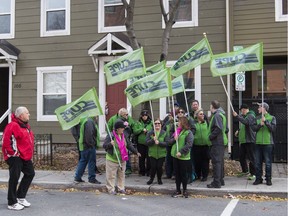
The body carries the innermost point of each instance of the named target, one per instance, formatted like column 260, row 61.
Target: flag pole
column 174, row 118
column 152, row 116
column 262, row 91
column 114, row 148
column 185, row 96
column 228, row 97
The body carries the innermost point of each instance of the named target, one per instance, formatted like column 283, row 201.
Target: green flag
column 200, row 53
column 178, row 85
column 87, row 105
column 247, row 59
column 151, row 87
column 127, row 66
column 150, row 70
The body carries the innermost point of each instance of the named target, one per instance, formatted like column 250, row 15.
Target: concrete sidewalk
column 233, row 185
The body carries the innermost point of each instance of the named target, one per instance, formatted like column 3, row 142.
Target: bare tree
column 169, row 20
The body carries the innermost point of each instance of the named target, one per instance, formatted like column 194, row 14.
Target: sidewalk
column 233, row 185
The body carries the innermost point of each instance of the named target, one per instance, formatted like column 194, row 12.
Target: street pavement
column 233, row 185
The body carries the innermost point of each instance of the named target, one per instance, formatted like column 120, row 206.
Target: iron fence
column 43, row 154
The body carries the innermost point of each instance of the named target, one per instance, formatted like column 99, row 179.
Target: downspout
column 228, row 76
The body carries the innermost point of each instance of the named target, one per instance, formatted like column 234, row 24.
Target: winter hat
column 144, row 112
column 119, row 124
column 265, row 105
column 244, row 106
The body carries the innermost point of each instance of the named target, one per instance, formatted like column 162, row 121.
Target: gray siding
column 72, row 50
column 254, row 21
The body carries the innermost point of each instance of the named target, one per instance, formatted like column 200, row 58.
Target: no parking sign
column 240, row 81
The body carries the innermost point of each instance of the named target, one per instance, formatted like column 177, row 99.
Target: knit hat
column 119, row 124
column 144, row 112
column 265, row 105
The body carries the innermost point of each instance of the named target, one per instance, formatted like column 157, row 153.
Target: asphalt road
column 58, row 203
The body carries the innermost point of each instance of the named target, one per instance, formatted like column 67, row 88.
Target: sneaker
column 23, row 202
column 94, row 181
column 185, row 194
column 128, row 172
column 213, row 186
column 251, row 177
column 123, row 192
column 176, row 194
column 77, row 181
column 113, row 193
column 150, row 182
column 241, row 174
column 16, row 207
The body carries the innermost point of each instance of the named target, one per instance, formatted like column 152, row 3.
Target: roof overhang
column 9, row 53
column 111, row 44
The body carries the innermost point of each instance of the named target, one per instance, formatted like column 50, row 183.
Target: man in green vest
column 87, row 142
column 246, row 138
column 264, row 126
column 217, row 136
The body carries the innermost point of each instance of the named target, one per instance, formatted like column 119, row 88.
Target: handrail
column 5, row 115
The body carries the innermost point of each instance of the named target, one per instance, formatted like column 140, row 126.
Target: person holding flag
column 116, row 146
column 182, row 142
column 87, row 143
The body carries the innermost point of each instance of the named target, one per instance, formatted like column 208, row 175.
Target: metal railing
column 43, row 151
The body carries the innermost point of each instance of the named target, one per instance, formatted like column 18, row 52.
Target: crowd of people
column 184, row 142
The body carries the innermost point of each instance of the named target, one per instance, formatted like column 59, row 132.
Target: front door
column 4, row 96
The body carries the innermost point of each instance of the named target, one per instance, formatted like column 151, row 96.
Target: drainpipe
column 228, row 76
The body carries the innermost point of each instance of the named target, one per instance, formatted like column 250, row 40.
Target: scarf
column 121, row 146
column 177, row 132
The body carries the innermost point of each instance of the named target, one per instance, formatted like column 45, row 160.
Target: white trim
column 184, row 24
column 101, row 20
column 40, row 72
column 279, row 16
column 43, row 22
column 102, row 93
column 10, row 35
column 197, row 90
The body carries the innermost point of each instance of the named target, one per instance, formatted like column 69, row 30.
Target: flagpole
column 152, row 116
column 227, row 94
column 114, row 148
column 174, row 117
column 262, row 91
column 185, row 96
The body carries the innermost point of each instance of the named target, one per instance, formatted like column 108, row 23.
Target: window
column 7, row 19
column 187, row 14
column 53, row 90
column 111, row 16
column 281, row 10
column 192, row 82
column 55, row 18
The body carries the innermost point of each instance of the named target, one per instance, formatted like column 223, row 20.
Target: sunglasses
column 201, row 114
column 181, row 112
column 157, row 123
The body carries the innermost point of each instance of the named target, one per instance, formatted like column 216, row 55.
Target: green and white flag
column 178, row 85
column 150, row 70
column 87, row 105
column 247, row 59
column 151, row 87
column 127, row 66
column 199, row 54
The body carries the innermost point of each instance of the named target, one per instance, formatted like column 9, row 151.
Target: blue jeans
column 88, row 156
column 263, row 152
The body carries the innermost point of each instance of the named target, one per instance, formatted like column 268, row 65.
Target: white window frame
column 197, row 90
column 279, row 16
column 40, row 72
column 43, row 26
column 10, row 35
column 183, row 24
column 101, row 20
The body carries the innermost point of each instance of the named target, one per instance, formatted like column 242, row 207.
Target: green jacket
column 87, row 128
column 246, row 134
column 128, row 129
column 156, row 151
column 201, row 135
column 218, row 128
column 264, row 134
column 138, row 130
column 185, row 142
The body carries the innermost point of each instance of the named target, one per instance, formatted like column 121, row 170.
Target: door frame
column 102, row 93
column 9, row 93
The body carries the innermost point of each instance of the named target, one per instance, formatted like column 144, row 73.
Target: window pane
column 56, row 20
column 54, row 82
column 180, row 97
column 114, row 15
column 112, row 2
column 52, row 102
column 5, row 6
column 189, row 80
column 184, row 12
column 55, row 4
column 4, row 24
column 284, row 7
